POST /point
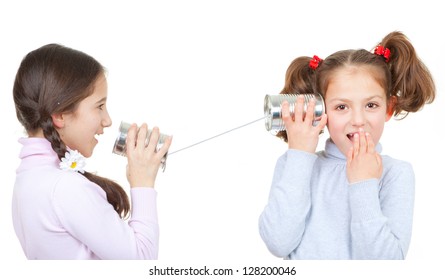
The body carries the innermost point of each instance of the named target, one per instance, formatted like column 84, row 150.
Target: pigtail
column 300, row 76
column 411, row 81
column 46, row 84
column 53, row 137
column 116, row 195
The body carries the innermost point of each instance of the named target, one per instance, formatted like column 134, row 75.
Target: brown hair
column 55, row 79
column 404, row 76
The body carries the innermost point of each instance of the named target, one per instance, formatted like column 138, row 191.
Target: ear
column 390, row 108
column 58, row 120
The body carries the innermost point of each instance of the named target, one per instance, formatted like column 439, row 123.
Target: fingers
column 164, row 149
column 131, row 138
column 153, row 140
column 153, row 144
column 371, row 145
column 300, row 114
column 142, row 137
column 322, row 122
column 285, row 114
column 362, row 144
column 299, row 109
column 356, row 145
column 362, row 141
column 309, row 118
column 142, row 140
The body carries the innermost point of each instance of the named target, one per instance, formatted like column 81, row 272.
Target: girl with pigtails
column 347, row 201
column 59, row 210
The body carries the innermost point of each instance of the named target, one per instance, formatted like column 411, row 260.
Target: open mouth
column 96, row 136
column 351, row 135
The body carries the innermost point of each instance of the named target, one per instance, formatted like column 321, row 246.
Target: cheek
column 335, row 123
column 377, row 125
column 380, row 124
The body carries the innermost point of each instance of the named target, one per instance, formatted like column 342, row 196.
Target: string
column 218, row 135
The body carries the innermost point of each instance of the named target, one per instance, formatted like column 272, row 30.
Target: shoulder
column 297, row 158
column 72, row 185
column 397, row 173
column 75, row 198
column 391, row 164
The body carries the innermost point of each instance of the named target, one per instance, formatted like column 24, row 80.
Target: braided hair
column 55, row 79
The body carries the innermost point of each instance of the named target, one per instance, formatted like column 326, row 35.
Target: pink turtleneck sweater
column 60, row 214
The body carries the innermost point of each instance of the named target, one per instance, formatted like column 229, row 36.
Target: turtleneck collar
column 35, row 152
column 331, row 150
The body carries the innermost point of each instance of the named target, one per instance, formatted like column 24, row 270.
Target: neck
column 38, row 133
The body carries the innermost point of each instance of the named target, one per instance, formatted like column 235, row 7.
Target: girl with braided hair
column 347, row 201
column 59, row 210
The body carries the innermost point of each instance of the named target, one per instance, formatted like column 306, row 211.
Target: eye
column 340, row 107
column 101, row 106
column 372, row 105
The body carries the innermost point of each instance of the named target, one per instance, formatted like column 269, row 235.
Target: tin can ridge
column 272, row 109
column 120, row 145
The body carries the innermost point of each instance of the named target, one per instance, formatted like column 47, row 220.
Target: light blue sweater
column 314, row 213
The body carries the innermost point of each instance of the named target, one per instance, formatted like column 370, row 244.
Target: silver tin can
column 272, row 109
column 120, row 145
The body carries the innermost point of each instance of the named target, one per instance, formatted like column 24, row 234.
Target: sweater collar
column 36, row 151
column 332, row 151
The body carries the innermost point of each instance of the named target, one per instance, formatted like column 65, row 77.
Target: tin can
column 272, row 109
column 120, row 145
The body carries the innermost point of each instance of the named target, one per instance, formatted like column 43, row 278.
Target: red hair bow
column 385, row 52
column 315, row 62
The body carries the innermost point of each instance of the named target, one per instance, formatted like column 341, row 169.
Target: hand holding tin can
column 273, row 112
column 301, row 115
column 146, row 151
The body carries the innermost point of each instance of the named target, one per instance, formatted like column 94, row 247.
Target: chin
column 343, row 145
column 87, row 153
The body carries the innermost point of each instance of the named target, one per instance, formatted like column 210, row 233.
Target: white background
column 196, row 69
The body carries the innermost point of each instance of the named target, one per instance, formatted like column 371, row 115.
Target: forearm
column 282, row 221
column 144, row 221
column 376, row 234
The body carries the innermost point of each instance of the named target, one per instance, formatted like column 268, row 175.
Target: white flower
column 73, row 161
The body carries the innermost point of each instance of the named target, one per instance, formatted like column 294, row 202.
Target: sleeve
column 381, row 217
column 85, row 213
column 282, row 222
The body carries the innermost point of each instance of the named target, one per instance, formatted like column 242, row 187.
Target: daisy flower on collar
column 73, row 161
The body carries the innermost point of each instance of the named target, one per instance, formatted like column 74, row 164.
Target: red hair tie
column 315, row 62
column 385, row 52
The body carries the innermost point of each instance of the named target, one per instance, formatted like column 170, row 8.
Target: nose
column 358, row 118
column 106, row 120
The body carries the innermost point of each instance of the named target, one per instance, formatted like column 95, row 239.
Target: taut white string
column 218, row 135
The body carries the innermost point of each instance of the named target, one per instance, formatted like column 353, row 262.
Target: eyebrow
column 346, row 100
column 103, row 99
